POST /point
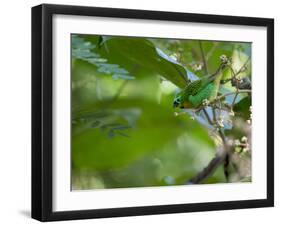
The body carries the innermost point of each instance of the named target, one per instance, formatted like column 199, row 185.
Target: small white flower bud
column 220, row 123
column 244, row 139
column 236, row 142
column 246, row 149
column 232, row 113
column 205, row 102
column 223, row 58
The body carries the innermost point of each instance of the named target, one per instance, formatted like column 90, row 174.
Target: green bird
column 197, row 91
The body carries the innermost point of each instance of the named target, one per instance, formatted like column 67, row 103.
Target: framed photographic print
column 145, row 112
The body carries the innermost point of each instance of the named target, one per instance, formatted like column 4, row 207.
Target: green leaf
column 242, row 108
column 174, row 164
column 148, row 128
column 140, row 52
column 87, row 51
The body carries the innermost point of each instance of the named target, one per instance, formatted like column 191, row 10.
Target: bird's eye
column 177, row 100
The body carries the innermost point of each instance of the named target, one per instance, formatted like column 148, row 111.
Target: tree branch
column 207, row 116
column 219, row 159
column 208, row 170
column 226, row 152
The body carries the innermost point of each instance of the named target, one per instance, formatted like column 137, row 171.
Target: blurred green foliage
column 124, row 129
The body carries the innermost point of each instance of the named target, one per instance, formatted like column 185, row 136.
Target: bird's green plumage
column 195, row 92
column 205, row 93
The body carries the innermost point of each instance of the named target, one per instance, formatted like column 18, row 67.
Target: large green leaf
column 132, row 53
column 113, row 135
column 85, row 51
column 242, row 108
column 174, row 164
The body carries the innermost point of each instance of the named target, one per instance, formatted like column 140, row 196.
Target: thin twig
column 216, row 161
column 224, row 157
column 236, row 85
column 218, row 127
column 210, row 52
column 223, row 96
column 231, row 93
column 243, row 66
column 207, row 116
column 225, row 165
column 214, row 115
column 226, row 152
column 203, row 58
column 233, row 73
column 234, row 99
column 119, row 91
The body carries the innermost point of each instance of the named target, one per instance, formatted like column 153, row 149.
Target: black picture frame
column 42, row 107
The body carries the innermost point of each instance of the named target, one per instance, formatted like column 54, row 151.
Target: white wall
column 15, row 112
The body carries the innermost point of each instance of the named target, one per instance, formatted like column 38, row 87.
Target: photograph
column 156, row 111
column 143, row 112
